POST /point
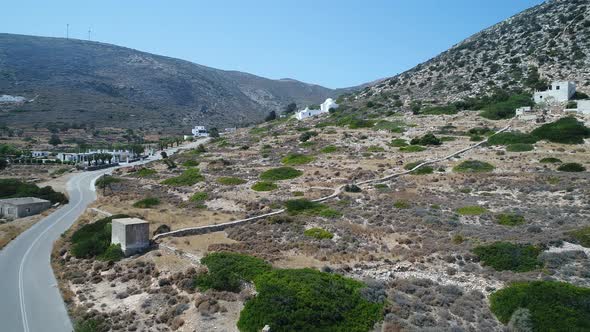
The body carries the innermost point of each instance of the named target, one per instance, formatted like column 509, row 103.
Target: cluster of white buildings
column 200, row 131
column 117, row 156
column 324, row 108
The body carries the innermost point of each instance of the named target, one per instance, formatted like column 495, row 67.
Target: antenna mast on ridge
column 68, row 31
column 89, row 31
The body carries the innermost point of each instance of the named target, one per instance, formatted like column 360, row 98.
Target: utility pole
column 68, row 31
column 89, row 31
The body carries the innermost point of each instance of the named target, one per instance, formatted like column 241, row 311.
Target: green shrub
column 227, row 271
column 309, row 300
column 581, row 236
column 550, row 160
column 145, row 172
column 297, row 159
column 398, row 143
column 510, row 219
column 318, row 233
column 329, row 149
column 553, row 305
column 513, row 137
column 230, row 181
column 428, row 139
column 146, row 203
column 457, row 239
column 306, row 136
column 503, row 256
column 112, row 254
column 13, row 188
column 264, row 186
column 571, row 167
column 190, row 163
column 474, row 210
column 93, row 240
column 401, row 204
column 473, row 166
column 375, row 148
column 505, row 109
column 280, row 173
column 519, row 147
column 304, row 206
column 188, row 178
column 90, row 325
column 565, row 130
column 412, row 148
column 199, row 197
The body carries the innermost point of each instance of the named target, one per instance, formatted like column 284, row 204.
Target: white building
column 324, row 108
column 583, row 107
column 526, row 113
column 39, row 154
column 557, row 92
column 200, row 131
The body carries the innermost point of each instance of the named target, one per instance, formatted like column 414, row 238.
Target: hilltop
column 76, row 81
column 546, row 42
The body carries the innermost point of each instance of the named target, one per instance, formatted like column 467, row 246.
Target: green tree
column 291, row 108
column 271, row 116
column 55, row 140
column 214, row 132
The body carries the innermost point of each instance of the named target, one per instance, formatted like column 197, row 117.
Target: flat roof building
column 133, row 234
column 13, row 208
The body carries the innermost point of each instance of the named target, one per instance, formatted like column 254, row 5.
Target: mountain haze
column 551, row 39
column 76, row 81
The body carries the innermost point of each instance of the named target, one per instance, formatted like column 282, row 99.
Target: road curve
column 30, row 300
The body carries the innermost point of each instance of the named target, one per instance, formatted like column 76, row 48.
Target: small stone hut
column 133, row 234
column 13, row 208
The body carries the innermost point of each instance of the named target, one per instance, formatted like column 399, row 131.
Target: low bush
column 190, row 163
column 398, row 143
column 505, row 107
column 510, row 219
column 309, row 300
column 230, row 181
column 581, row 236
column 473, row 166
column 401, row 204
column 473, row 210
column 412, row 148
column 188, row 178
column 352, row 188
column 304, row 206
column 565, row 130
column 94, row 240
column 280, row 173
column 571, row 167
column 439, row 110
column 553, row 305
column 428, row 139
column 145, row 172
column 297, row 159
column 12, row 188
column 503, row 256
column 318, row 233
column 227, row 271
column 146, row 203
column 550, row 160
column 519, row 147
column 329, row 149
column 513, row 137
column 199, row 197
column 264, row 186
column 306, row 136
column 375, row 148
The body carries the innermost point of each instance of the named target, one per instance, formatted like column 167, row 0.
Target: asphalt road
column 29, row 297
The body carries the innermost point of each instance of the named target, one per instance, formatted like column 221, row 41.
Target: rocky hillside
column 75, row 81
column 548, row 42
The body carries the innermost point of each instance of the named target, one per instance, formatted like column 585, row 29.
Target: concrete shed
column 13, row 208
column 133, row 234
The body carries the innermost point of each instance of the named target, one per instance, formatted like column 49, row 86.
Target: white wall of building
column 584, row 107
column 324, row 108
column 557, row 92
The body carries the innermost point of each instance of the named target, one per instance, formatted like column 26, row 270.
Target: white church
column 324, row 108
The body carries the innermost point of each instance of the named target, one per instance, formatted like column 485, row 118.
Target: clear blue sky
column 335, row 43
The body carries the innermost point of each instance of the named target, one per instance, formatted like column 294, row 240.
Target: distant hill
column 548, row 42
column 76, row 81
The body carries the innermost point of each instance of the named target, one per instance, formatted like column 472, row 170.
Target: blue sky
column 327, row 42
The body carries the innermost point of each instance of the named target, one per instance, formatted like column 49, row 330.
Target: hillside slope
column 552, row 39
column 76, row 81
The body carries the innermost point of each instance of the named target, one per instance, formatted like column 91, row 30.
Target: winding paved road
column 29, row 297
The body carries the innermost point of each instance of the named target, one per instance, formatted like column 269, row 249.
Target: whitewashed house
column 584, row 107
column 200, row 131
column 39, row 154
column 526, row 113
column 324, row 108
column 557, row 92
